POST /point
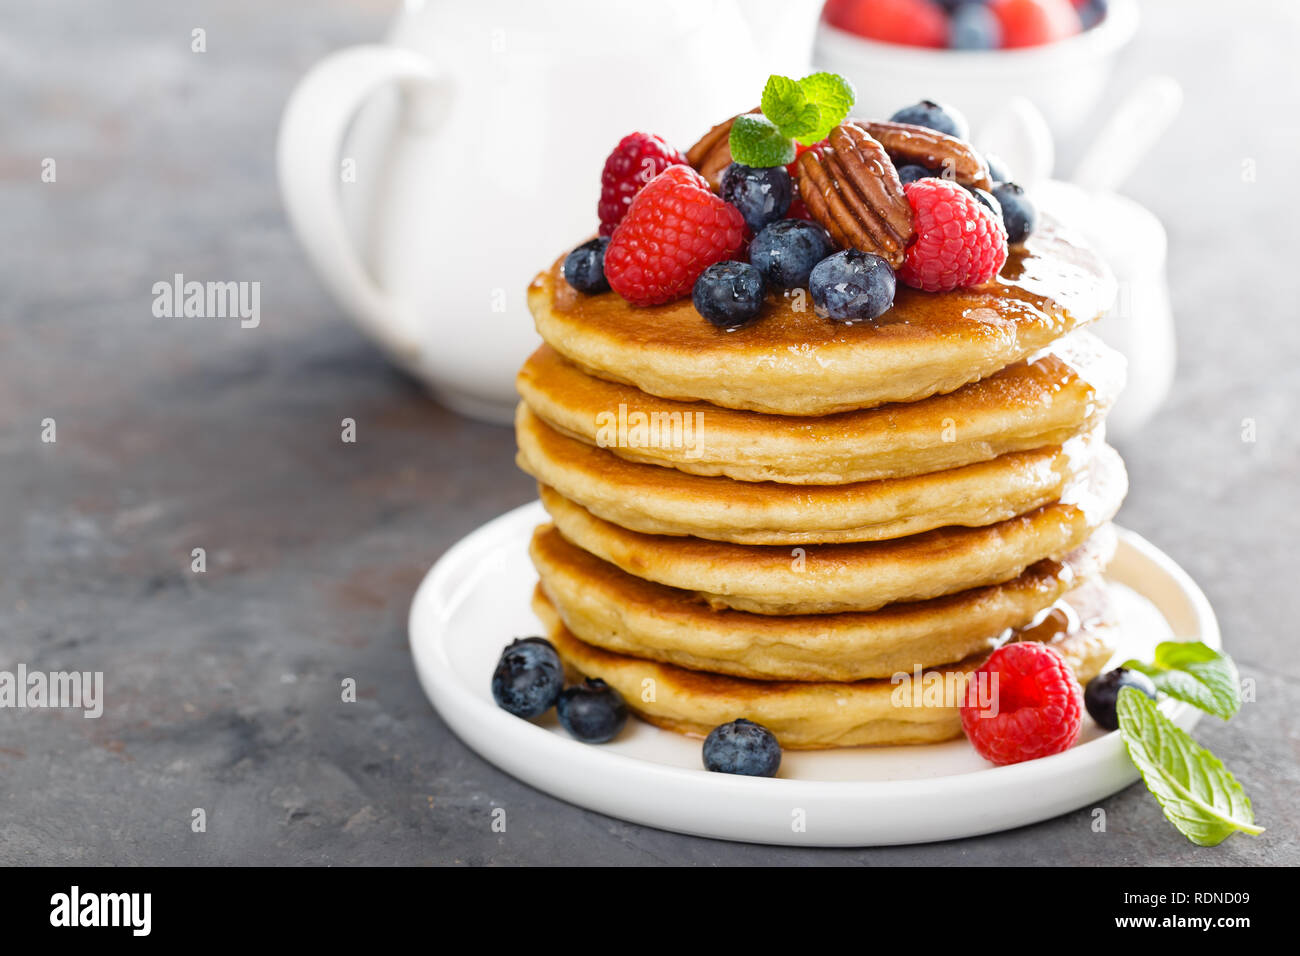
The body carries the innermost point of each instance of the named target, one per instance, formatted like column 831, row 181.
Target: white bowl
column 1064, row 80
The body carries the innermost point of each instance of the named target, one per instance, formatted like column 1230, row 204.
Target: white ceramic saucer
column 476, row 599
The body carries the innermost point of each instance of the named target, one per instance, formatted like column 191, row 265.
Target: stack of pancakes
column 794, row 521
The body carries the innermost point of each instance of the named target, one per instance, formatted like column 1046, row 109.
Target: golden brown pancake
column 806, row 715
column 791, row 362
column 608, row 608
column 1045, row 401
column 828, row 578
column 658, row 500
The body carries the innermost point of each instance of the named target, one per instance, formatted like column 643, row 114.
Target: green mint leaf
column 1193, row 672
column 1196, row 792
column 756, row 141
column 833, row 96
column 787, row 106
column 807, row 109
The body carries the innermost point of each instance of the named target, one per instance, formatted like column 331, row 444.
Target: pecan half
column 712, row 154
column 933, row 150
column 852, row 189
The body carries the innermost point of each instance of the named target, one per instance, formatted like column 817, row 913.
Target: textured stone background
column 223, row 688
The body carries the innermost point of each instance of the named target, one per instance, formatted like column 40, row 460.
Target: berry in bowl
column 1057, row 53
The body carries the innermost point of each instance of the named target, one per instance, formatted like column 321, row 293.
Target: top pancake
column 791, row 362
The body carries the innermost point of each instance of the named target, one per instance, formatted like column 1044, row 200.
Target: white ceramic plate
column 476, row 599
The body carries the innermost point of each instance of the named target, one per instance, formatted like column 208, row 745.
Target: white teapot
column 431, row 177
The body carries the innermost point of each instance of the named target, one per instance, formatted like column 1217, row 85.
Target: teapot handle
column 315, row 121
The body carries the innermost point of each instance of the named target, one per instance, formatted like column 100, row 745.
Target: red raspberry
column 674, row 230
column 1034, row 709
column 1035, row 22
column 959, row 242
column 908, row 22
column 637, row 159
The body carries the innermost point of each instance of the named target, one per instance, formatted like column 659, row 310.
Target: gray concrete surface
column 223, row 688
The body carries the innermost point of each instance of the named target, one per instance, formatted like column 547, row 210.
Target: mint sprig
column 833, row 97
column 757, row 141
column 786, row 105
column 804, row 110
column 1195, row 673
column 1197, row 793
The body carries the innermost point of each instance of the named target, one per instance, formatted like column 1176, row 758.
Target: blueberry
column 911, row 172
column 528, row 678
column 852, row 285
column 742, row 747
column 1092, row 12
column 1019, row 214
column 987, row 200
column 584, row 267
column 998, row 171
column 1102, row 693
column 728, row 294
column 932, row 115
column 974, row 27
column 951, row 5
column 786, row 251
column 592, row 711
column 761, row 193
